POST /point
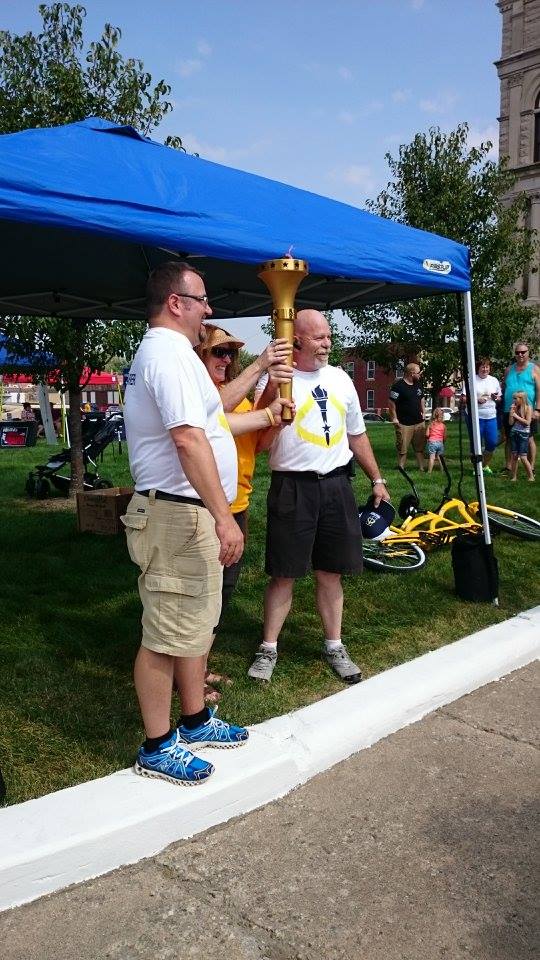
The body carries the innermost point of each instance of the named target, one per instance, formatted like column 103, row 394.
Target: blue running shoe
column 214, row 733
column 174, row 763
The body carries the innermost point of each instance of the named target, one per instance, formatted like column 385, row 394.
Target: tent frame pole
column 46, row 415
column 473, row 412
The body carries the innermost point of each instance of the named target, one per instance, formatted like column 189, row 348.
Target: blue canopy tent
column 104, row 204
column 87, row 209
column 15, row 363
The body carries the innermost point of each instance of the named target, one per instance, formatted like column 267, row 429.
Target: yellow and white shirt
column 327, row 409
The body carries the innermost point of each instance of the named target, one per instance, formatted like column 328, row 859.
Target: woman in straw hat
column 220, row 354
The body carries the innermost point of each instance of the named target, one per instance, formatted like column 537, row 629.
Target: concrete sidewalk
column 421, row 847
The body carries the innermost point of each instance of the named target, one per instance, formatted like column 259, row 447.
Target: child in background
column 520, row 416
column 435, row 435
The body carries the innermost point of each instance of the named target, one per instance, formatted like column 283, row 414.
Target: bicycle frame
column 433, row 528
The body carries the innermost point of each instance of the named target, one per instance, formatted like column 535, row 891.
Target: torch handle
column 285, row 392
column 284, row 327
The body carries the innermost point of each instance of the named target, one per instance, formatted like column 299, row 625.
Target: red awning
column 96, row 380
column 102, row 379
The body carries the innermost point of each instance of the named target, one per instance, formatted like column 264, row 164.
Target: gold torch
column 283, row 277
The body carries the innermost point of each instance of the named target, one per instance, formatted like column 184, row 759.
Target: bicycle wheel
column 515, row 523
column 392, row 556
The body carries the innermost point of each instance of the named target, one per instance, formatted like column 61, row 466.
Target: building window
column 400, row 369
column 370, row 370
column 536, row 149
column 349, row 368
column 370, row 399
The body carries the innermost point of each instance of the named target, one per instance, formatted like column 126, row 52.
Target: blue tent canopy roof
column 88, row 208
column 14, row 362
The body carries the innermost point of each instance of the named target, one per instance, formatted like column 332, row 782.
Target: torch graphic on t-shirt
column 321, row 397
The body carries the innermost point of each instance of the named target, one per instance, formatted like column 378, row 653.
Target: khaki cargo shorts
column 176, row 547
column 405, row 434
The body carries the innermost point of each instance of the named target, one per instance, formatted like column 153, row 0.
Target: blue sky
column 309, row 92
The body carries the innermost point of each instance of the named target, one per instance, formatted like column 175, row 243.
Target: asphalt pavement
column 422, row 847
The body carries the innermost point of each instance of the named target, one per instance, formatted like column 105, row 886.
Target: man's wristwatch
column 378, row 480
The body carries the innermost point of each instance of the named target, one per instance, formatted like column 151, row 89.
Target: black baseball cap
column 376, row 520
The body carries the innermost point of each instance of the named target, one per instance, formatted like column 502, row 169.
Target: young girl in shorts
column 435, row 435
column 520, row 430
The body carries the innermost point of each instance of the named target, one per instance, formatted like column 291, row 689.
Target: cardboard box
column 99, row 511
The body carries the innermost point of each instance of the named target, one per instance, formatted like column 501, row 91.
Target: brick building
column 519, row 130
column 372, row 382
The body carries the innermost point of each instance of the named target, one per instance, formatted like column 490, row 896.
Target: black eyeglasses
column 223, row 352
column 191, row 296
column 520, row 352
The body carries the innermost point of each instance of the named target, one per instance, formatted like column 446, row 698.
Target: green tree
column 442, row 185
column 50, row 78
column 245, row 358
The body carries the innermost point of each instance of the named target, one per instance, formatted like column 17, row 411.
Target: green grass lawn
column 70, row 622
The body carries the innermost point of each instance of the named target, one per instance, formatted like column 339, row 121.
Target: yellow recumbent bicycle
column 404, row 548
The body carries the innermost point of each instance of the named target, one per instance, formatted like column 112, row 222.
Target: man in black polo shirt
column 406, row 404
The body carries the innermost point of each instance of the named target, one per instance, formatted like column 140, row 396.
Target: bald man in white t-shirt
column 312, row 520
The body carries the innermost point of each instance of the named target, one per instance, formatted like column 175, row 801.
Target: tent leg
column 473, row 411
column 46, row 416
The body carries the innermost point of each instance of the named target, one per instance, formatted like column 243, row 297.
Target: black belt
column 312, row 474
column 173, row 497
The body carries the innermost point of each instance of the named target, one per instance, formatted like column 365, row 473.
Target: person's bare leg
column 431, row 462
column 528, row 469
column 401, row 457
column 277, row 603
column 532, row 453
column 508, row 455
column 329, row 596
column 487, row 457
column 420, row 460
column 153, row 675
column 189, row 676
column 514, row 466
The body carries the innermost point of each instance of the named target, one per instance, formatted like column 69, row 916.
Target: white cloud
column 441, row 103
column 186, row 68
column 374, row 106
column 354, row 175
column 478, row 136
column 345, row 73
column 220, row 154
column 401, row 96
column 345, row 116
column 204, row 48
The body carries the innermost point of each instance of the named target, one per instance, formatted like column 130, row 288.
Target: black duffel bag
column 476, row 571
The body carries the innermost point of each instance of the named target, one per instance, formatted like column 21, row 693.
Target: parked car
column 449, row 413
column 371, row 417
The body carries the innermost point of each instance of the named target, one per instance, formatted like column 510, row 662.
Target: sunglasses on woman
column 223, row 352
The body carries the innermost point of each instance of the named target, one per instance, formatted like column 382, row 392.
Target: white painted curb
column 88, row 830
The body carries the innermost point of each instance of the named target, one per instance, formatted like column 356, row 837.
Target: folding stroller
column 97, row 433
